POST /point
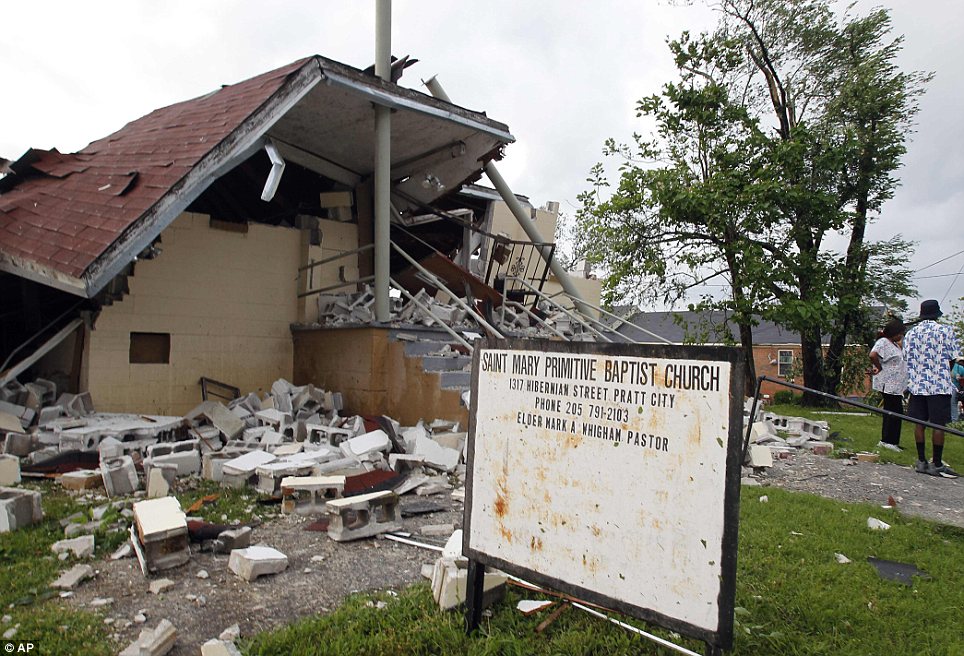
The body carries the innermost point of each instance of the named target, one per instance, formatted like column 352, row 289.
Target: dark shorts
column 935, row 408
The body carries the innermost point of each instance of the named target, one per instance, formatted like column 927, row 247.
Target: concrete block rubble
column 291, row 444
column 776, row 437
column 546, row 321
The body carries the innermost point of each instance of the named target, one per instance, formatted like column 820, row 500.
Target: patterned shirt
column 928, row 349
column 892, row 377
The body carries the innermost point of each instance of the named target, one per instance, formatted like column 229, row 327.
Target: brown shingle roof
column 60, row 212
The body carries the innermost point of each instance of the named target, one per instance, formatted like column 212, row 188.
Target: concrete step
column 456, row 379
column 415, row 349
column 445, row 363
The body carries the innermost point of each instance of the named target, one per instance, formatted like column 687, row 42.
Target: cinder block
column 119, row 476
column 226, row 421
column 213, row 463
column 404, row 462
column 363, row 516
column 271, row 474
column 760, row 456
column 185, row 455
column 215, row 647
column 161, row 539
column 82, row 479
column 9, row 470
column 23, row 414
column 321, row 434
column 73, row 577
column 239, row 471
column 820, row 448
column 450, row 580
column 153, row 642
column 451, row 440
column 363, row 445
column 436, row 455
column 19, row 508
column 318, row 490
column 82, row 547
column 256, row 561
column 235, row 538
column 110, row 447
column 158, row 486
column 19, row 444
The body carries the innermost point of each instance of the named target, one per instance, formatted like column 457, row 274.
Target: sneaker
column 922, row 467
column 889, row 446
column 941, row 470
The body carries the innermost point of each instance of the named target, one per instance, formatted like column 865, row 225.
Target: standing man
column 929, row 348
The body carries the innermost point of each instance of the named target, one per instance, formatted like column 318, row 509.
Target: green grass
column 29, row 566
column 861, row 433
column 230, row 506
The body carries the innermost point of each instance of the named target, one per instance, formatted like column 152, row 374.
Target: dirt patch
column 929, row 497
column 320, row 574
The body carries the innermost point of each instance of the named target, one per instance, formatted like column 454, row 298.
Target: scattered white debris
column 529, row 606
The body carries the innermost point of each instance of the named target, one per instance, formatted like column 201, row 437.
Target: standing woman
column 890, row 379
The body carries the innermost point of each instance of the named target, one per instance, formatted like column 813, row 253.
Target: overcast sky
column 564, row 76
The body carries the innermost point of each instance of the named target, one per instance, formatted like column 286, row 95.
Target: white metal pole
column 383, row 162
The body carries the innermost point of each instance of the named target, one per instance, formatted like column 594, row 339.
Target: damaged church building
column 219, row 244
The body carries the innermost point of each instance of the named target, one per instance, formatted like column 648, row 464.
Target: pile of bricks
column 291, row 444
column 775, row 436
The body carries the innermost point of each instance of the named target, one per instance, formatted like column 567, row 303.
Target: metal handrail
column 535, row 316
column 428, row 309
column 435, row 282
column 617, row 318
column 360, row 249
column 621, row 320
column 564, row 310
column 349, row 283
column 346, row 283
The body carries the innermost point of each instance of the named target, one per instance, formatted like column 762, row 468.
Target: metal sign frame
column 716, row 639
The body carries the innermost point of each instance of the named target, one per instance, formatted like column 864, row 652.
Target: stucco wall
column 226, row 298
column 373, row 375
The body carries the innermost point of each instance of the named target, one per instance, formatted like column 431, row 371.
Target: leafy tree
column 956, row 319
column 668, row 228
column 786, row 129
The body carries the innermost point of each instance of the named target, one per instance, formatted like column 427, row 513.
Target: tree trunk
column 853, row 275
column 746, row 341
column 811, row 352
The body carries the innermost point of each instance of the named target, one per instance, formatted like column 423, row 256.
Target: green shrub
column 785, row 397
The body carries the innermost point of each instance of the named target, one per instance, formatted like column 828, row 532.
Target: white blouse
column 892, row 378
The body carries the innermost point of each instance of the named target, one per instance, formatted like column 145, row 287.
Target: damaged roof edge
column 44, row 276
column 238, row 146
column 386, row 98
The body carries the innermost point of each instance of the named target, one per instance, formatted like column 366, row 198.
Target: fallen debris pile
column 291, row 446
column 545, row 320
column 775, row 436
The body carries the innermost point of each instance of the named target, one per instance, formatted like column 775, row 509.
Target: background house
column 775, row 350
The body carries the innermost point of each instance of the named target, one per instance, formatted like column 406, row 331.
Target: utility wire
column 953, row 282
column 939, row 261
column 940, row 275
